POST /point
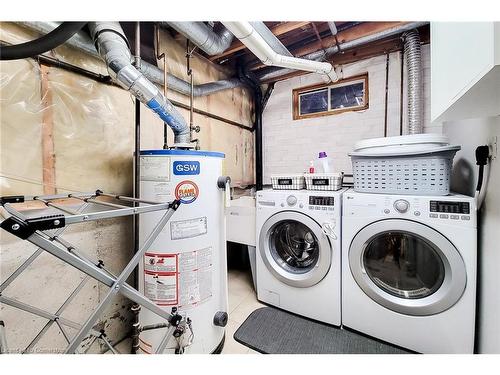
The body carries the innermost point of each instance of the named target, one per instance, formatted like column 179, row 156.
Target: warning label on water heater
column 155, row 168
column 188, row 228
column 183, row 279
column 161, row 278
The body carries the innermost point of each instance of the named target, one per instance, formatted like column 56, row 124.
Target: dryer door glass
column 403, row 264
column 294, row 246
column 407, row 267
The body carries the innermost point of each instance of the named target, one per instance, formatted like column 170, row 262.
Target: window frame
column 316, row 87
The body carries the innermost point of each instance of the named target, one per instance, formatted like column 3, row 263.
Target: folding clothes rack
column 33, row 229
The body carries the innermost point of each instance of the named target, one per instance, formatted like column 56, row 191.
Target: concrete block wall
column 289, row 145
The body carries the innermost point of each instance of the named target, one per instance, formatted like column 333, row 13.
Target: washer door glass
column 407, row 267
column 294, row 249
column 294, row 246
column 403, row 264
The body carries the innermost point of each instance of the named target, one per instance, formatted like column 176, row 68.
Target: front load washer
column 409, row 270
column 298, row 252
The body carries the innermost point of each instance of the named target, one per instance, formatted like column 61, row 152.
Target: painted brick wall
column 289, row 145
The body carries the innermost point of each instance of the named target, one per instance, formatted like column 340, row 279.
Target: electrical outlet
column 493, row 145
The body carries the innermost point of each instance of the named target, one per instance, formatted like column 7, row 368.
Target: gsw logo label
column 186, row 167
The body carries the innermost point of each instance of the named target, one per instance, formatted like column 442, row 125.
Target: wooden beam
column 48, row 154
column 277, row 30
column 286, row 27
column 353, row 33
column 348, row 35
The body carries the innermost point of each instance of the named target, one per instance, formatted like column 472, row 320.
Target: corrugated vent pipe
column 413, row 56
column 82, row 42
column 113, row 48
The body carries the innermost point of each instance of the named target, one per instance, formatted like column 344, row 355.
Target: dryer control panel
column 451, row 209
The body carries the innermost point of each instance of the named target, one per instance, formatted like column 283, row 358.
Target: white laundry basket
column 414, row 164
column 324, row 181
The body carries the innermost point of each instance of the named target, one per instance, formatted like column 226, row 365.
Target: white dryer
column 299, row 252
column 409, row 270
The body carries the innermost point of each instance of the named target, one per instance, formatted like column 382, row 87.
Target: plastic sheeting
column 92, row 135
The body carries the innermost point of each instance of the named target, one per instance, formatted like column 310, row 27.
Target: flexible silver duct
column 326, row 53
column 82, row 42
column 413, row 56
column 113, row 48
column 155, row 75
column 209, row 41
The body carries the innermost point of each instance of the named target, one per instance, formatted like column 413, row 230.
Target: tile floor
column 242, row 301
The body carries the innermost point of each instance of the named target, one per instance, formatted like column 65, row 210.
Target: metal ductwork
column 113, row 48
column 155, row 75
column 81, row 41
column 328, row 52
column 245, row 32
column 413, row 57
column 209, row 41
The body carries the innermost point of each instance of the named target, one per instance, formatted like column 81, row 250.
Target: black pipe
column 43, row 44
column 50, row 61
column 211, row 115
column 267, row 95
column 253, row 83
column 386, row 93
column 401, row 94
column 137, row 194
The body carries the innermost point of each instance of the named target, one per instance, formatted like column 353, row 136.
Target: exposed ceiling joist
column 347, row 35
column 364, row 52
column 363, row 29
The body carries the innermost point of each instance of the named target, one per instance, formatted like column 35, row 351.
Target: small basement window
column 350, row 94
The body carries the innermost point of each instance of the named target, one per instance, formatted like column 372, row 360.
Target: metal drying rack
column 33, row 229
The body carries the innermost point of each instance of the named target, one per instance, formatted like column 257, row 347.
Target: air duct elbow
column 245, row 32
column 113, row 48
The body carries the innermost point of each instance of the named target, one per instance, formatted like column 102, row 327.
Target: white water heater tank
column 186, row 265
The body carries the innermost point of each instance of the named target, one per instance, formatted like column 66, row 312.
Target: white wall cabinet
column 465, row 70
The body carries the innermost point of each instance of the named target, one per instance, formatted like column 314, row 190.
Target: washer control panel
column 291, row 200
column 321, row 200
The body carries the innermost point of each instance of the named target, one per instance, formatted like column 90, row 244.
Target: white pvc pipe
column 245, row 32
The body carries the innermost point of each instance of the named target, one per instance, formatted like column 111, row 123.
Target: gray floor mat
column 273, row 331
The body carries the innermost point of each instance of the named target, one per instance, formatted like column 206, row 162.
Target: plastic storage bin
column 415, row 165
column 324, row 181
column 288, row 182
